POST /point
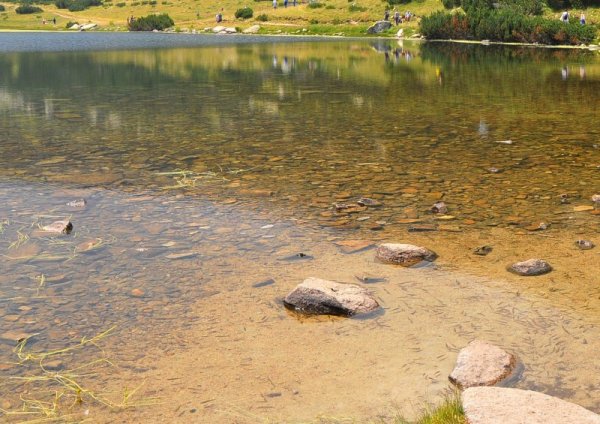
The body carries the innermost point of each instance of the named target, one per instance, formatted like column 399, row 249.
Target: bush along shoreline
column 483, row 20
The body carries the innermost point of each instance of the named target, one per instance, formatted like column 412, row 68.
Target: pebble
column 585, row 244
column 79, row 203
column 439, row 207
column 137, row 292
column 483, row 250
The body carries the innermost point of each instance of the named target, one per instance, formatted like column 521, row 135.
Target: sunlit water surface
column 205, row 167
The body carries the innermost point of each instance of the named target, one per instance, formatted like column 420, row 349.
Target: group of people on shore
column 398, row 18
column 285, row 3
column 564, row 17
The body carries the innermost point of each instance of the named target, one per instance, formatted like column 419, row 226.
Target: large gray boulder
column 403, row 254
column 379, row 27
column 317, row 296
column 530, row 267
column 481, row 364
column 485, row 405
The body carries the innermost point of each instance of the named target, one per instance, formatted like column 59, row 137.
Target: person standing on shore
column 582, row 19
column 274, row 4
column 386, row 15
column 565, row 17
column 397, row 17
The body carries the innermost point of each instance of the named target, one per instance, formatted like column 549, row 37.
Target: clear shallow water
column 204, row 167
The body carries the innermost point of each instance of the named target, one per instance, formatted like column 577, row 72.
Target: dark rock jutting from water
column 404, row 254
column 530, row 267
column 59, row 227
column 323, row 297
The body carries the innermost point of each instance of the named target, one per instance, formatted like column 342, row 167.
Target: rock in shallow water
column 585, row 244
column 317, row 296
column 59, row 227
column 484, row 405
column 530, row 267
column 404, row 254
column 481, row 364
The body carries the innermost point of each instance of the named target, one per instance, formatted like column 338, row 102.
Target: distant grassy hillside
column 340, row 17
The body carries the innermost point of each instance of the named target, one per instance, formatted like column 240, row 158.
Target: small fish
column 370, row 280
column 264, row 283
column 297, row 257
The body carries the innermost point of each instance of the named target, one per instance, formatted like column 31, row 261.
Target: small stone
column 54, row 365
column 404, row 254
column 481, row 364
column 439, row 207
column 483, row 250
column 137, row 292
column 366, row 201
column 530, row 267
column 585, row 244
column 505, row 141
column 317, row 296
column 596, row 198
column 79, row 203
column 538, row 227
column 59, row 227
column 494, row 170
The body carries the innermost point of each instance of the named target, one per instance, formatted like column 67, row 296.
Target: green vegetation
column 76, row 5
column 244, row 13
column 70, row 24
column 315, row 5
column 509, row 21
column 449, row 412
column 151, row 22
column 262, row 18
column 27, row 9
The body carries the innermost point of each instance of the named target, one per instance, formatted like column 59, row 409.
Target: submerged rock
column 404, row 254
column 585, row 244
column 439, row 207
column 596, row 198
column 367, row 201
column 59, row 227
column 379, row 27
column 481, row 364
column 79, row 203
column 484, row 405
column 317, row 296
column 483, row 250
column 530, row 267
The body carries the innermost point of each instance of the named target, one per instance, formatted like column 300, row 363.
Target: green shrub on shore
column 315, row 5
column 2, row 8
column 505, row 26
column 27, row 9
column 76, row 5
column 262, row 18
column 244, row 13
column 151, row 22
column 70, row 24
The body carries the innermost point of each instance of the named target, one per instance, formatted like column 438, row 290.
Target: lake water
column 208, row 163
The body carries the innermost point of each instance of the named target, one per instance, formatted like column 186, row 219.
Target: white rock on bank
column 485, row 405
column 252, row 30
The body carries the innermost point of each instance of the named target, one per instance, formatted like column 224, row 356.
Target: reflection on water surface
column 203, row 167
